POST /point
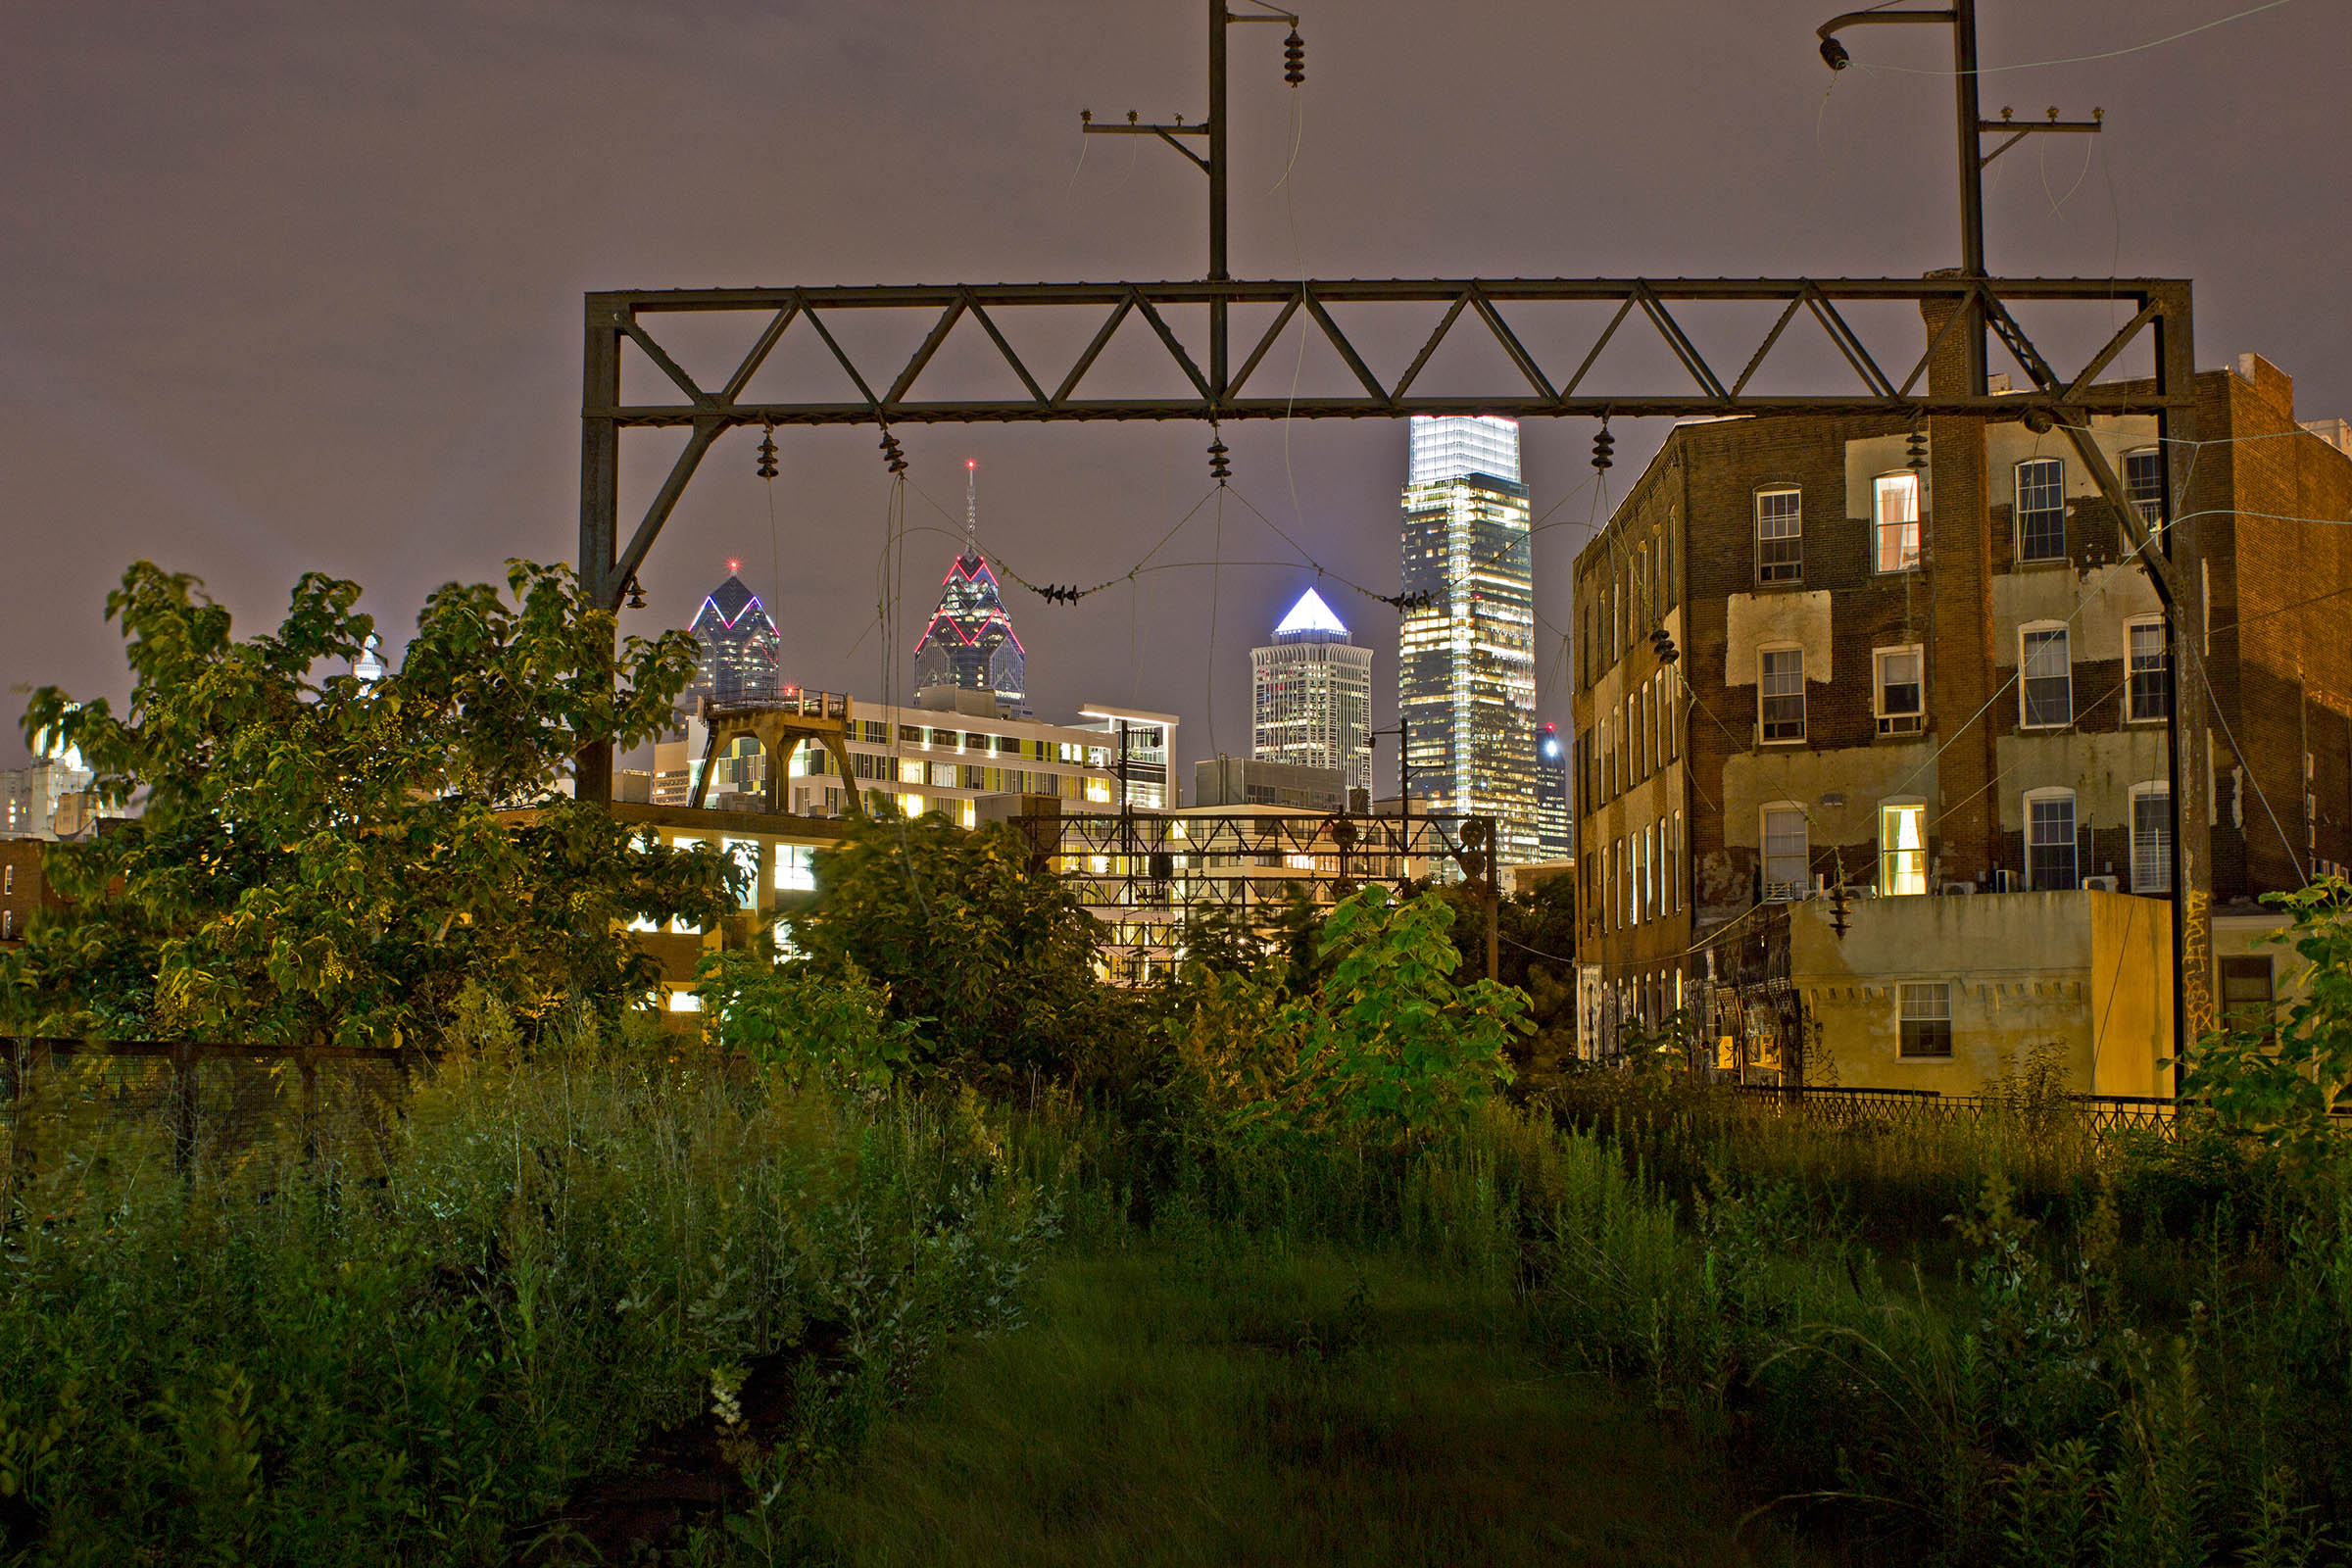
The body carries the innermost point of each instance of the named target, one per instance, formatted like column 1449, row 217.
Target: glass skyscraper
column 1311, row 695
column 740, row 648
column 1555, row 828
column 1466, row 664
column 969, row 641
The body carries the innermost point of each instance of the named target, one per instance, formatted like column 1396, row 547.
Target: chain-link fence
column 192, row 1105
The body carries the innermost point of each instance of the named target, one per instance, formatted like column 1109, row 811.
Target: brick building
column 22, row 888
column 1917, row 661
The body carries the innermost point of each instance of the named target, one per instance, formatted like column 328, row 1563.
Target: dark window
column 1780, row 693
column 2248, row 993
column 2048, row 680
column 2041, row 510
column 911, row 732
column 2152, row 841
column 2050, row 843
column 1780, row 536
column 1926, row 1017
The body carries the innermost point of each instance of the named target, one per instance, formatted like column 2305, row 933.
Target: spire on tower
column 971, row 506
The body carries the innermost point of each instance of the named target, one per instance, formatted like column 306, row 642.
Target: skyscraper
column 740, row 647
column 969, row 641
column 1311, row 695
column 1555, row 828
column 1467, row 668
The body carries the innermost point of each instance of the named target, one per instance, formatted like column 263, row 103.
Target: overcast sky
column 297, row 287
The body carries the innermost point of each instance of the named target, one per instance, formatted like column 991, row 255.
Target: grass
column 1235, row 1403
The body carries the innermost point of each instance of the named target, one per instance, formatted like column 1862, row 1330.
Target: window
column 2143, row 478
column 1898, row 675
column 1637, row 900
column 911, row 734
column 1923, row 1010
column 2046, row 684
column 945, row 775
column 1780, row 693
column 2249, row 993
column 1903, row 848
column 1786, row 854
column 2041, row 510
column 2151, row 671
column 1780, row 535
column 2050, row 841
column 1674, row 865
column 2151, row 837
column 1894, row 509
column 910, row 770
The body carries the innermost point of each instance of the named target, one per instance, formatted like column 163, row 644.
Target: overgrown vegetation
column 930, row 1248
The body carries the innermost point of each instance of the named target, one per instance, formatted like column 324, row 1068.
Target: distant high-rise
column 740, row 647
column 969, row 641
column 1466, row 667
column 1555, row 830
column 1311, row 695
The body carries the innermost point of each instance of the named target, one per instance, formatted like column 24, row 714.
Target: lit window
column 796, row 868
column 912, row 805
column 1925, row 1017
column 2151, row 671
column 1780, row 536
column 2152, row 838
column 1786, row 854
column 2143, row 478
column 1894, row 504
column 1903, row 848
column 1097, row 790
column 745, row 852
column 912, row 769
column 685, row 1001
column 2046, row 684
column 1780, row 693
column 945, row 775
column 1900, row 685
column 2050, row 842
column 2041, row 510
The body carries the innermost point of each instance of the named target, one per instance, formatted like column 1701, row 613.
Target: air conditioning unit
column 2005, row 880
column 1955, row 889
column 2102, row 884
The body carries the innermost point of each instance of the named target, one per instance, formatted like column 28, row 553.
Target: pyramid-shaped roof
column 1309, row 617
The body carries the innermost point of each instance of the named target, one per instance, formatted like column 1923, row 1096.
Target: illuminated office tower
column 1555, row 830
column 969, row 641
column 1311, row 695
column 738, row 647
column 1466, row 666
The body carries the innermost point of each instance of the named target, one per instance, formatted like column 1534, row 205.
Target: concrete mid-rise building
column 1466, row 663
column 1252, row 781
column 1919, row 662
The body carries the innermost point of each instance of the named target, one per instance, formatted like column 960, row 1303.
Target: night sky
column 298, row 287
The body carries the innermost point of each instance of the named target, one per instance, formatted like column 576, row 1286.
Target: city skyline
column 428, row 297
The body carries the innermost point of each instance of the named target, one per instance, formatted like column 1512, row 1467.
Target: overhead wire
column 2078, row 60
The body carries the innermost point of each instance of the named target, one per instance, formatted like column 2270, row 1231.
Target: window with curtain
column 2046, row 688
column 1894, row 504
column 2041, row 510
column 2050, row 843
column 1899, row 689
column 1903, row 848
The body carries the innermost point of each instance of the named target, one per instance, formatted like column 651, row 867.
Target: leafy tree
column 803, row 1026
column 2281, row 1080
column 1386, row 1047
column 321, row 860
column 996, row 957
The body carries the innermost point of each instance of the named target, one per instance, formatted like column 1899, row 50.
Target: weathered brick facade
column 1672, row 809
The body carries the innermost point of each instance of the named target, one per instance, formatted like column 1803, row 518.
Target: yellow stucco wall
column 2086, row 972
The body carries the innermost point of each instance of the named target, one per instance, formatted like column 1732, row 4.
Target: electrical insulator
column 767, row 453
column 1603, row 445
column 1661, row 643
column 1218, row 469
column 636, row 594
column 1919, row 450
column 891, row 455
column 1293, row 59
column 1841, row 910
